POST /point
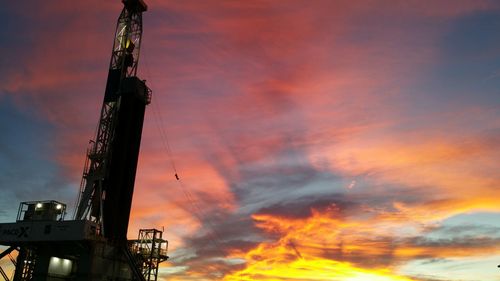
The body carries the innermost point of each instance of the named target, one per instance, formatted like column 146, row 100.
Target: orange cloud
column 301, row 252
column 326, row 246
column 456, row 173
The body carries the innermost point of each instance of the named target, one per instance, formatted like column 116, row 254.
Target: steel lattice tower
column 94, row 245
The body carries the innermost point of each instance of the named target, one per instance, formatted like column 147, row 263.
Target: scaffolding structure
column 149, row 250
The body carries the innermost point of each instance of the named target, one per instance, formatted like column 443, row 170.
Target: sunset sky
column 314, row 140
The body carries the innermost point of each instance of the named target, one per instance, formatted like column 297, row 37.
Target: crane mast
column 98, row 185
column 94, row 245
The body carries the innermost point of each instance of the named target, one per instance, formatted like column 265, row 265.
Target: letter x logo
column 24, row 232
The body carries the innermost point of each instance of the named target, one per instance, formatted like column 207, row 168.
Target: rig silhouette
column 93, row 244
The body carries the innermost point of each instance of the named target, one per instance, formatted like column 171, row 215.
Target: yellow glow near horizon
column 295, row 255
column 311, row 269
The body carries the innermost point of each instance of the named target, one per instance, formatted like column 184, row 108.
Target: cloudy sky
column 314, row 140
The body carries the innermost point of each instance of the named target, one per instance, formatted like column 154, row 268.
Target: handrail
column 133, row 265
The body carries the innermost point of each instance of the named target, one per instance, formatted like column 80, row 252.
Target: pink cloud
column 238, row 83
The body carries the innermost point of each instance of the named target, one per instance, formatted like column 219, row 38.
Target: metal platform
column 46, row 231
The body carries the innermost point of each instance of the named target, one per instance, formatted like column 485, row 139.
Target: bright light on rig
column 129, row 45
column 38, row 205
column 59, row 206
column 60, row 267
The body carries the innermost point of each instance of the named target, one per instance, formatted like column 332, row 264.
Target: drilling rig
column 93, row 244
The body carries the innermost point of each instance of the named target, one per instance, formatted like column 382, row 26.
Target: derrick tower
column 93, row 245
column 108, row 178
